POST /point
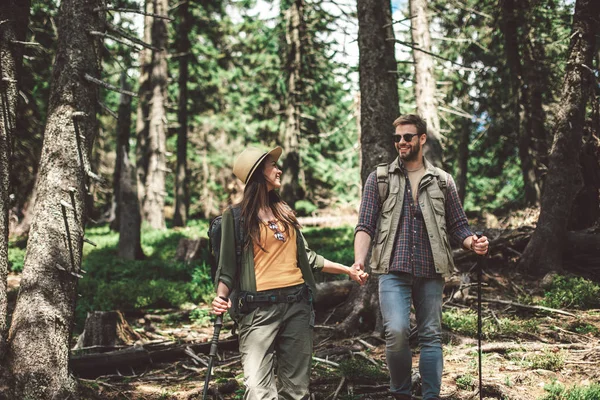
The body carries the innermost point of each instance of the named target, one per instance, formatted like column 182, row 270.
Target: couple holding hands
column 409, row 212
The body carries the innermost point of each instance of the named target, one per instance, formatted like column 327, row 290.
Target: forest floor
column 529, row 352
column 526, row 354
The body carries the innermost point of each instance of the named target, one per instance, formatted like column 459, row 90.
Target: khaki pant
column 284, row 329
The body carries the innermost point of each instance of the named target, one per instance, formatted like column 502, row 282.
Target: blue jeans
column 395, row 293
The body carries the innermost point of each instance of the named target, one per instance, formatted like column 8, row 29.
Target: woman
column 275, row 282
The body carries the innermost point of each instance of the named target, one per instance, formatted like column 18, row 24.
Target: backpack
column 214, row 241
column 383, row 181
column 214, row 246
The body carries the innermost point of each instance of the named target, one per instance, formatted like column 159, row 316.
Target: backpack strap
column 239, row 236
column 383, row 182
column 442, row 178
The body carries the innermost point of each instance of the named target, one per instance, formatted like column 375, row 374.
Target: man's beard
column 412, row 154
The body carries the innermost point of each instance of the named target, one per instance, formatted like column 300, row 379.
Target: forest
column 120, row 121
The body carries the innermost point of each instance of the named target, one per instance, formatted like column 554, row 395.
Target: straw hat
column 246, row 163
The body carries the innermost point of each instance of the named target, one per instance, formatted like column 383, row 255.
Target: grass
column 556, row 391
column 465, row 382
column 572, row 292
column 464, row 322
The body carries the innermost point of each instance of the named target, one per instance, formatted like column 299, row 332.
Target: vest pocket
column 438, row 205
column 388, row 205
column 378, row 248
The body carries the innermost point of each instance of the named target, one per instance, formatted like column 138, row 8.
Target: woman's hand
column 220, row 305
column 356, row 273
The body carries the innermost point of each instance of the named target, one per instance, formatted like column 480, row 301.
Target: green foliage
column 557, row 391
column 584, row 328
column 358, row 368
column 335, row 244
column 549, row 360
column 158, row 281
column 572, row 292
column 464, row 322
column 200, row 316
column 465, row 382
column 304, row 207
column 16, row 258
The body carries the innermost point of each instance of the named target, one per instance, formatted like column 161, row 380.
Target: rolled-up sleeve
column 456, row 219
column 227, row 258
column 315, row 261
column 369, row 207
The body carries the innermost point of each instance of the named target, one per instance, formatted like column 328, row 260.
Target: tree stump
column 106, row 330
column 190, row 249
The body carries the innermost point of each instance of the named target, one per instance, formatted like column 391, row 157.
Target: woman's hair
column 256, row 197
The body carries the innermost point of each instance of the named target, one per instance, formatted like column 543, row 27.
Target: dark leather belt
column 293, row 294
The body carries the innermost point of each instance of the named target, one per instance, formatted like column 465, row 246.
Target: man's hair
column 412, row 119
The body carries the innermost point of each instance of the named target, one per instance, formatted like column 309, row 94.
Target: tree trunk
column 123, row 126
column 291, row 188
column 544, row 251
column 466, row 127
column 181, row 180
column 525, row 60
column 378, row 84
column 42, row 322
column 425, row 86
column 128, row 215
column 379, row 108
column 142, row 151
column 154, row 194
column 106, row 329
column 15, row 16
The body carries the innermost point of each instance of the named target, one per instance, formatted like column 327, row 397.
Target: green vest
column 432, row 202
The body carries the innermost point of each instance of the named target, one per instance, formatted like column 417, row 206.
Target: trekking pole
column 480, row 263
column 213, row 350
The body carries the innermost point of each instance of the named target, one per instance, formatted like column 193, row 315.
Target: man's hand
column 220, row 305
column 357, row 274
column 478, row 245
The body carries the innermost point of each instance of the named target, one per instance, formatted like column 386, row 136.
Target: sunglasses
column 278, row 234
column 407, row 137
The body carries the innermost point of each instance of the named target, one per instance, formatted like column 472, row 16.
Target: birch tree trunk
column 291, row 188
column 425, row 87
column 15, row 16
column 38, row 353
column 545, row 249
column 181, row 180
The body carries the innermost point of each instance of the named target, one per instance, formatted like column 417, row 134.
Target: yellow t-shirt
column 278, row 267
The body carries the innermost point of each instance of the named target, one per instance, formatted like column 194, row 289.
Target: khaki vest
column 432, row 202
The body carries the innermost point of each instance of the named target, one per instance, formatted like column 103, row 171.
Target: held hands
column 479, row 245
column 220, row 305
column 357, row 274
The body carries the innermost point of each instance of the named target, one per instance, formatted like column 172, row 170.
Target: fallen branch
column 526, row 306
column 93, row 365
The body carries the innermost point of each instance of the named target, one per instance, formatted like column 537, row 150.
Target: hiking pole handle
column 215, row 338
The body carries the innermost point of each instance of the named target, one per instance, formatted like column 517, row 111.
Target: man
column 411, row 224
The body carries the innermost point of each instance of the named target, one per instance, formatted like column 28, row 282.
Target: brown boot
column 401, row 396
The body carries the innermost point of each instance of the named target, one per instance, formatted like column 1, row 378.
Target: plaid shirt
column 412, row 252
